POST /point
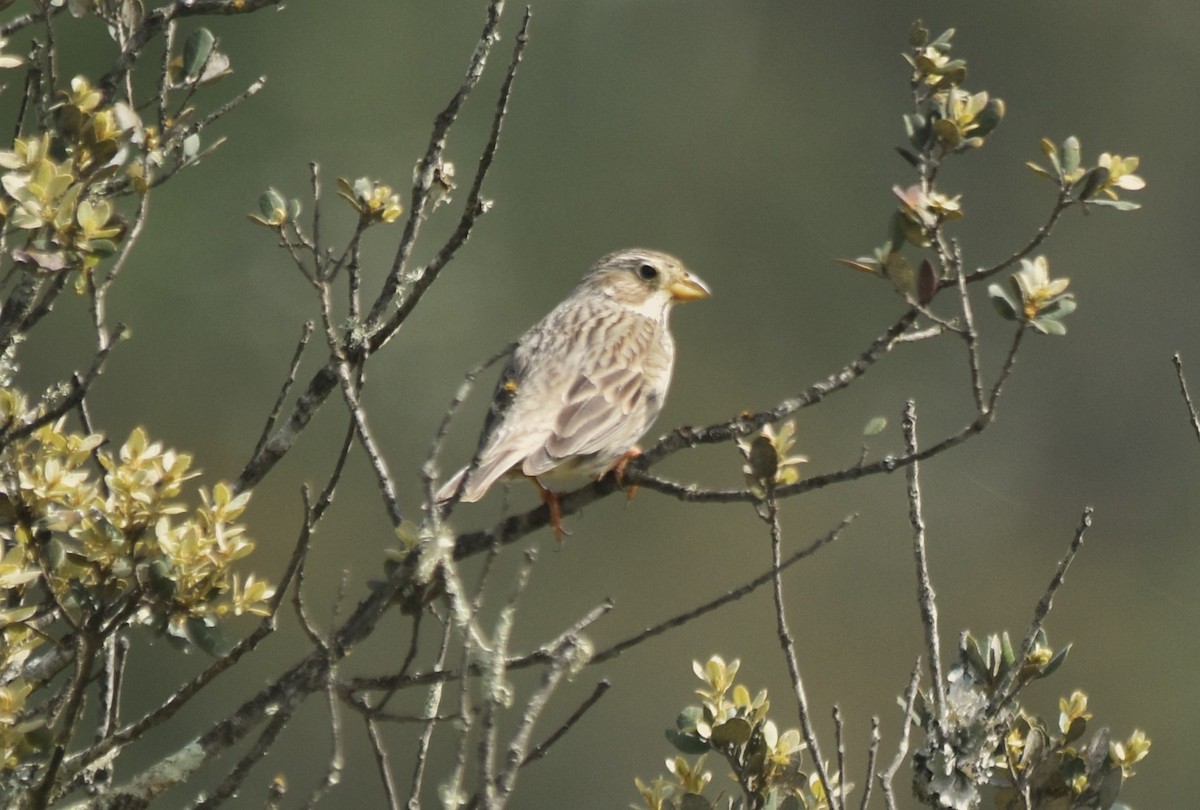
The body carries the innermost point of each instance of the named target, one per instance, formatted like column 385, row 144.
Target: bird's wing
column 595, row 415
column 511, row 431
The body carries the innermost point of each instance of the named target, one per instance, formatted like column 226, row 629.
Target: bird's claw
column 618, row 471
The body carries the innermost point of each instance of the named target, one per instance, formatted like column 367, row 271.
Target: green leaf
column 875, row 426
column 687, row 743
column 735, row 731
column 897, row 234
column 1092, row 182
column 209, row 639
column 1002, row 303
column 1070, row 154
column 157, row 577
column 942, row 43
column 989, row 118
column 269, row 202
column 917, row 129
column 897, row 268
column 1006, row 651
column 908, row 156
column 55, row 554
column 974, row 657
column 196, row 50
column 1055, row 661
column 1048, row 326
column 191, row 146
column 689, row 718
column 918, row 34
column 1119, row 205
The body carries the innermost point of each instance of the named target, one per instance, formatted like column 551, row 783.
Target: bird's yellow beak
column 688, row 288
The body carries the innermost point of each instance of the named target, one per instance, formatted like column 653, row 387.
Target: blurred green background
column 755, row 141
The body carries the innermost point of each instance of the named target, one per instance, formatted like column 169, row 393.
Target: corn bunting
column 586, row 382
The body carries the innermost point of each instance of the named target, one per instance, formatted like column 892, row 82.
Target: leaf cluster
column 765, row 762
column 95, row 542
column 985, row 743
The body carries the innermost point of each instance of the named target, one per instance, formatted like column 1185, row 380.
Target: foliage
column 89, row 554
column 984, row 743
column 765, row 762
column 975, row 739
column 101, row 548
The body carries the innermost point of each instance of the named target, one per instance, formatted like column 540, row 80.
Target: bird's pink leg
column 551, row 500
column 618, row 470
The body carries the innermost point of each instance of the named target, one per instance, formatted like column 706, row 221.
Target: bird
column 585, row 383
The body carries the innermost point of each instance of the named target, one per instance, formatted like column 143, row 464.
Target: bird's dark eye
column 647, row 272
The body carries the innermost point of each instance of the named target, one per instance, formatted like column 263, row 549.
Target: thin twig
column 383, row 764
column 337, row 758
column 1187, row 397
column 788, row 644
column 426, row 168
column 730, row 596
column 840, row 747
column 1061, row 204
column 872, row 757
column 79, row 389
column 229, row 786
column 323, row 382
column 67, row 717
column 325, row 500
column 969, row 332
column 910, row 699
column 1009, row 686
column 289, row 381
column 351, row 378
column 495, row 677
column 429, row 469
column 925, row 594
column 431, row 712
column 562, row 664
column 543, row 747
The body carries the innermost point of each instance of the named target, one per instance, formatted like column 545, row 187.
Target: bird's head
column 644, row 280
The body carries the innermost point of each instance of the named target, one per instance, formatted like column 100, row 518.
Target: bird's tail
column 453, row 484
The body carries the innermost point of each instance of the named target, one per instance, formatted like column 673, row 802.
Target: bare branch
column 79, row 389
column 431, row 712
column 872, row 757
column 543, row 747
column 323, row 382
column 889, row 774
column 157, row 20
column 730, row 596
column 383, row 764
column 429, row 468
column 1187, row 397
column 337, row 759
column 1008, row 687
column 289, row 381
column 789, row 649
column 1061, row 204
column 925, row 595
column 426, row 175
column 839, row 744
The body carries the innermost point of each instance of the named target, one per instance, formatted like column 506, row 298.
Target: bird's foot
column 618, row 470
column 551, row 500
